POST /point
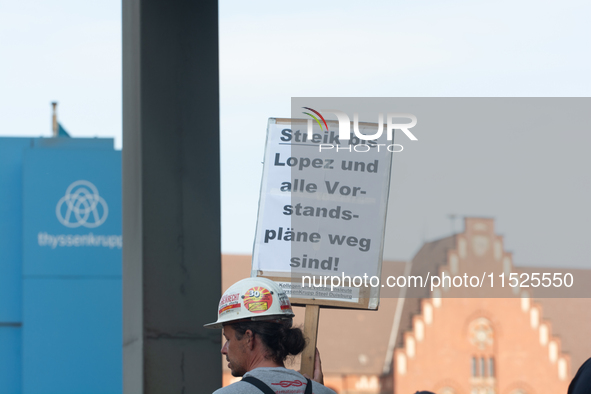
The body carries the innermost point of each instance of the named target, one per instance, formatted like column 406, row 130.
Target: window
column 482, row 366
column 481, row 336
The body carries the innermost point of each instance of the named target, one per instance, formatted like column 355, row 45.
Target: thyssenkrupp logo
column 82, row 206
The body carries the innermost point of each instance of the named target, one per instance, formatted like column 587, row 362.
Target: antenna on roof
column 54, row 127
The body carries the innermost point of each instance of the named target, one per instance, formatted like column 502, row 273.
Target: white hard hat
column 253, row 299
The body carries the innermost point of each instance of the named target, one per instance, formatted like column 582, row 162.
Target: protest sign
column 322, row 212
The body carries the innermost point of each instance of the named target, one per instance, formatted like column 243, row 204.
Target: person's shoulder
column 266, row 375
column 293, row 379
column 277, row 377
column 581, row 383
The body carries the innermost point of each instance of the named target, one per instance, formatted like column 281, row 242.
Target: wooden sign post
column 322, row 214
column 310, row 332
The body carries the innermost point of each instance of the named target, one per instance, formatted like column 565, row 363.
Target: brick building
column 515, row 343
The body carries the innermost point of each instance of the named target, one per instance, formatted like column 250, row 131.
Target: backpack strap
column 308, row 387
column 258, row 384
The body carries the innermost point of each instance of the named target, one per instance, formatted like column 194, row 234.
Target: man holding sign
column 256, row 317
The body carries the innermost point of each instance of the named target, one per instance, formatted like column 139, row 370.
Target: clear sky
column 70, row 51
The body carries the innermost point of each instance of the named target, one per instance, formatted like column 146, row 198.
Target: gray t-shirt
column 279, row 379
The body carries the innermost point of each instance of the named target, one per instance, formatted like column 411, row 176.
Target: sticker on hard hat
column 229, row 302
column 258, row 299
column 284, row 302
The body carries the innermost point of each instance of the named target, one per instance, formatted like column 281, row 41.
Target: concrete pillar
column 171, row 196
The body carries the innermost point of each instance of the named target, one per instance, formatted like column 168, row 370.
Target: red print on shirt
column 287, row 383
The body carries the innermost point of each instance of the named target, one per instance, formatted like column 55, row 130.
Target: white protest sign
column 322, row 210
